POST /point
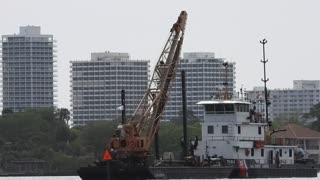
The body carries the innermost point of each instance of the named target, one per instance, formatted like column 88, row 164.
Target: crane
column 134, row 138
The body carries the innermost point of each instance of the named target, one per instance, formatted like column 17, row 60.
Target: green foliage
column 171, row 134
column 191, row 118
column 95, row 136
column 281, row 121
column 7, row 111
column 33, row 134
column 44, row 134
column 314, row 113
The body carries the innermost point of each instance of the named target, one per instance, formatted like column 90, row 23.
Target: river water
column 77, row 178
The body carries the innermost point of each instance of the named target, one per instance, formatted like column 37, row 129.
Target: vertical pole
column 265, row 80
column 123, row 106
column 156, row 145
column 184, row 110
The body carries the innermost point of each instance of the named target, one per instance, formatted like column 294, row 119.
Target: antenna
column 241, row 92
column 265, row 80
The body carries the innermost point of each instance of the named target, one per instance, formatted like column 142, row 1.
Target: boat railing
column 220, row 112
column 235, row 138
column 247, row 138
column 263, row 163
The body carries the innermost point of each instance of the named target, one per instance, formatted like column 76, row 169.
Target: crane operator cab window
column 219, row 108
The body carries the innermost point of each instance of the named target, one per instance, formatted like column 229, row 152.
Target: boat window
column 210, row 130
column 224, row 129
column 280, row 152
column 242, row 107
column 252, row 152
column 229, row 108
column 290, row 152
column 209, row 107
column 262, row 152
column 239, row 129
column 259, row 130
column 219, row 108
column 236, row 107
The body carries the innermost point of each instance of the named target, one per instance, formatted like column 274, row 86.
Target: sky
column 230, row 28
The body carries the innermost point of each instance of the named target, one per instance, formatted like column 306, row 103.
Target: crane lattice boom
column 135, row 137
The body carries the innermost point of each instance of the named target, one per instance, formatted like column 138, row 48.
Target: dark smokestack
column 184, row 115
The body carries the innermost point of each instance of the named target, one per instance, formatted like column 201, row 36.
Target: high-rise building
column 96, row 86
column 289, row 102
column 205, row 78
column 28, row 69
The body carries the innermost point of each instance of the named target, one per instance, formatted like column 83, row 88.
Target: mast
column 265, row 80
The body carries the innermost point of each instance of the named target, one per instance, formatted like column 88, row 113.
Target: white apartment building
column 205, row 76
column 287, row 102
column 96, row 86
column 28, row 69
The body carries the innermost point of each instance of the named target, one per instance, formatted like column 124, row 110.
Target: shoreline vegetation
column 39, row 141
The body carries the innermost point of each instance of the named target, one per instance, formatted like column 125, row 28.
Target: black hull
column 184, row 172
column 100, row 173
column 281, row 172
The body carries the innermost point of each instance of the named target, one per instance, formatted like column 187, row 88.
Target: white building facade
column 96, row 86
column 205, row 75
column 28, row 70
column 288, row 102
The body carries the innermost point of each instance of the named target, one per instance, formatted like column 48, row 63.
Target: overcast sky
column 231, row 29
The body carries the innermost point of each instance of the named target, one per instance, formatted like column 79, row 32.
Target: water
column 77, row 178
column 42, row 178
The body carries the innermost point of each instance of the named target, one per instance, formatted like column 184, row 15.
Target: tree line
column 44, row 134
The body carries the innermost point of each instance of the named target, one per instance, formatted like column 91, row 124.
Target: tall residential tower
column 96, row 86
column 28, row 69
column 205, row 76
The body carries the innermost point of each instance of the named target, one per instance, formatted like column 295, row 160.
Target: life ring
column 247, row 152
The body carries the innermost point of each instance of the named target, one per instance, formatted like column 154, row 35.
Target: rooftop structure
column 306, row 84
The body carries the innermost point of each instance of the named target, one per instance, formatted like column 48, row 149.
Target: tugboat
column 234, row 131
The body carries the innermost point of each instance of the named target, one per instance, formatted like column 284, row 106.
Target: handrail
column 235, row 138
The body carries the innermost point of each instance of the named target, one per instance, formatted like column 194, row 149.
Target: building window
column 210, row 130
column 252, row 152
column 239, row 129
column 259, row 130
column 262, row 152
column 224, row 129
